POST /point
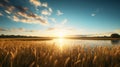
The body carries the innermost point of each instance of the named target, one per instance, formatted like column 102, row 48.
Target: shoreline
column 51, row 38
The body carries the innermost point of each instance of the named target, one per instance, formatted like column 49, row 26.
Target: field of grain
column 42, row 54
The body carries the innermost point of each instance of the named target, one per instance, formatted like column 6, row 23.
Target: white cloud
column 36, row 2
column 44, row 4
column 59, row 13
column 15, row 18
column 64, row 21
column 45, row 12
column 1, row 14
column 8, row 12
column 93, row 14
column 53, row 20
column 50, row 9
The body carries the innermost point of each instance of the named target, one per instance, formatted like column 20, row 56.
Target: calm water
column 70, row 44
column 91, row 43
column 85, row 42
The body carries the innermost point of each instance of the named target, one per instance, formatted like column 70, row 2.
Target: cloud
column 34, row 31
column 23, row 30
column 8, row 12
column 96, row 11
column 17, row 30
column 15, row 18
column 1, row 14
column 59, row 13
column 44, row 4
column 7, row 1
column 117, row 31
column 22, row 9
column 29, row 19
column 3, row 29
column 1, row 5
column 50, row 10
column 51, row 29
column 10, row 8
column 66, row 30
column 53, row 20
column 35, row 2
column 46, row 12
column 93, row 14
column 64, row 21
column 3, row 2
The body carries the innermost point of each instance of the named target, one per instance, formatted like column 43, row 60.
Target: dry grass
column 33, row 54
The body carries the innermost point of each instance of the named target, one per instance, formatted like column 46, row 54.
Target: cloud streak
column 17, row 30
column 93, row 14
column 59, row 13
column 3, row 29
column 29, row 18
column 117, row 31
column 44, row 4
column 53, row 20
column 64, row 21
column 1, row 14
column 45, row 12
column 35, row 2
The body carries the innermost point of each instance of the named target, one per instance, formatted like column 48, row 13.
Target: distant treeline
column 16, row 36
column 114, row 35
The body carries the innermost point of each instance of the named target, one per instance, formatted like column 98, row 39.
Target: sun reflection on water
column 60, row 43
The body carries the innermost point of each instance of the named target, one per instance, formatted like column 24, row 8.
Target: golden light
column 61, row 35
column 60, row 43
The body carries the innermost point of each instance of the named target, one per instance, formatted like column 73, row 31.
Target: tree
column 115, row 35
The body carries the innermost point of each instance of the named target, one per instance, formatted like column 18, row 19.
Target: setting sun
column 60, row 34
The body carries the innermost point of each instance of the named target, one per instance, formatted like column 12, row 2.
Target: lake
column 83, row 42
column 70, row 43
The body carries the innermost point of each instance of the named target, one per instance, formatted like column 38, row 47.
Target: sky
column 56, row 17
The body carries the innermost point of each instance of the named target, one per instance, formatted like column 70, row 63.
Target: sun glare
column 61, row 35
column 60, row 43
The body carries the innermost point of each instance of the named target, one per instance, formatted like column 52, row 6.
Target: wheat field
column 43, row 54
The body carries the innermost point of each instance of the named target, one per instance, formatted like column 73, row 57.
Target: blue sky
column 54, row 17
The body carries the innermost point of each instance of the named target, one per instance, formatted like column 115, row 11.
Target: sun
column 60, row 34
